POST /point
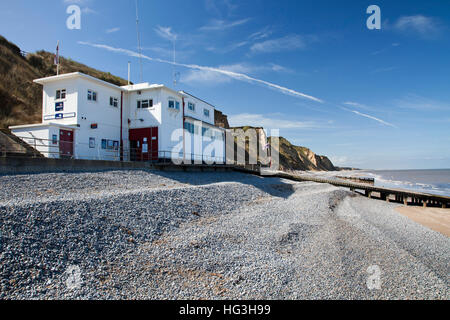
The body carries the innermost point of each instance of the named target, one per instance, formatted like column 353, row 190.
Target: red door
column 65, row 143
column 144, row 144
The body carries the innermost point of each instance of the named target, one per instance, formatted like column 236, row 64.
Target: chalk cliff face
column 291, row 157
column 301, row 158
column 221, row 120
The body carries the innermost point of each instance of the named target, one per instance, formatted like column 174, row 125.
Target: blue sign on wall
column 59, row 116
column 59, row 106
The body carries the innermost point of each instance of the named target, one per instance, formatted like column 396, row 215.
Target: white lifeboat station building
column 87, row 118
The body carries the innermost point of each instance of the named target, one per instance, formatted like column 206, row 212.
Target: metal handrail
column 52, row 149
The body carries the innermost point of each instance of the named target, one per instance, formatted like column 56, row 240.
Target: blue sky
column 366, row 98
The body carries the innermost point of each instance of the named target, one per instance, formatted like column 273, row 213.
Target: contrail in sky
column 234, row 75
column 370, row 117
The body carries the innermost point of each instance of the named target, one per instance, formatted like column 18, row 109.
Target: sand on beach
column 433, row 218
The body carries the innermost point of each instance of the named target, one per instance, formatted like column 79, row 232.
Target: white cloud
column 217, row 7
column 262, row 34
column 166, row 33
column 339, row 160
column 278, row 68
column 218, row 24
column 112, row 30
column 228, row 48
column 88, row 10
column 231, row 74
column 291, row 42
column 419, row 103
column 418, row 24
column 204, row 77
column 269, row 121
column 75, row 1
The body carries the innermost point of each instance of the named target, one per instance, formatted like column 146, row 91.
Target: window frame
column 91, row 142
column 189, row 127
column 145, row 104
column 140, row 104
column 93, row 94
column 114, row 102
column 61, row 93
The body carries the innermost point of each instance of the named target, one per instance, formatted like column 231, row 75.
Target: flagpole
column 57, row 59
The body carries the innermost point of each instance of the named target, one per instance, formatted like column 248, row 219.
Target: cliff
column 300, row 158
column 291, row 157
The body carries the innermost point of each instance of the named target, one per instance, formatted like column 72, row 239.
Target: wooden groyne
column 405, row 197
column 358, row 179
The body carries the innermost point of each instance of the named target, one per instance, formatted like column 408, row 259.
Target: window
column 104, row 143
column 174, row 105
column 206, row 113
column 191, row 106
column 113, row 102
column 54, row 139
column 92, row 95
column 144, row 104
column 190, row 127
column 60, row 94
column 92, row 143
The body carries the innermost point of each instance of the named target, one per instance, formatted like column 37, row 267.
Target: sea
column 434, row 181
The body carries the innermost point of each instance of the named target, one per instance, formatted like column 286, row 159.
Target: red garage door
column 65, row 143
column 144, row 144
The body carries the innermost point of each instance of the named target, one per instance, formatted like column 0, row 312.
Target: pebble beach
column 160, row 235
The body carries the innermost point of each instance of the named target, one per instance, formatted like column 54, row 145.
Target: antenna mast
column 139, row 42
column 175, row 73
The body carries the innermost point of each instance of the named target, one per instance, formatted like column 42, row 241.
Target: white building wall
column 144, row 118
column 70, row 102
column 105, row 116
column 171, row 119
column 41, row 138
column 198, row 113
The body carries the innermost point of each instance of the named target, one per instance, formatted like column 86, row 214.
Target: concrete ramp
column 13, row 146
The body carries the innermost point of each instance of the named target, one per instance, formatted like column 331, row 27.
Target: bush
column 36, row 61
